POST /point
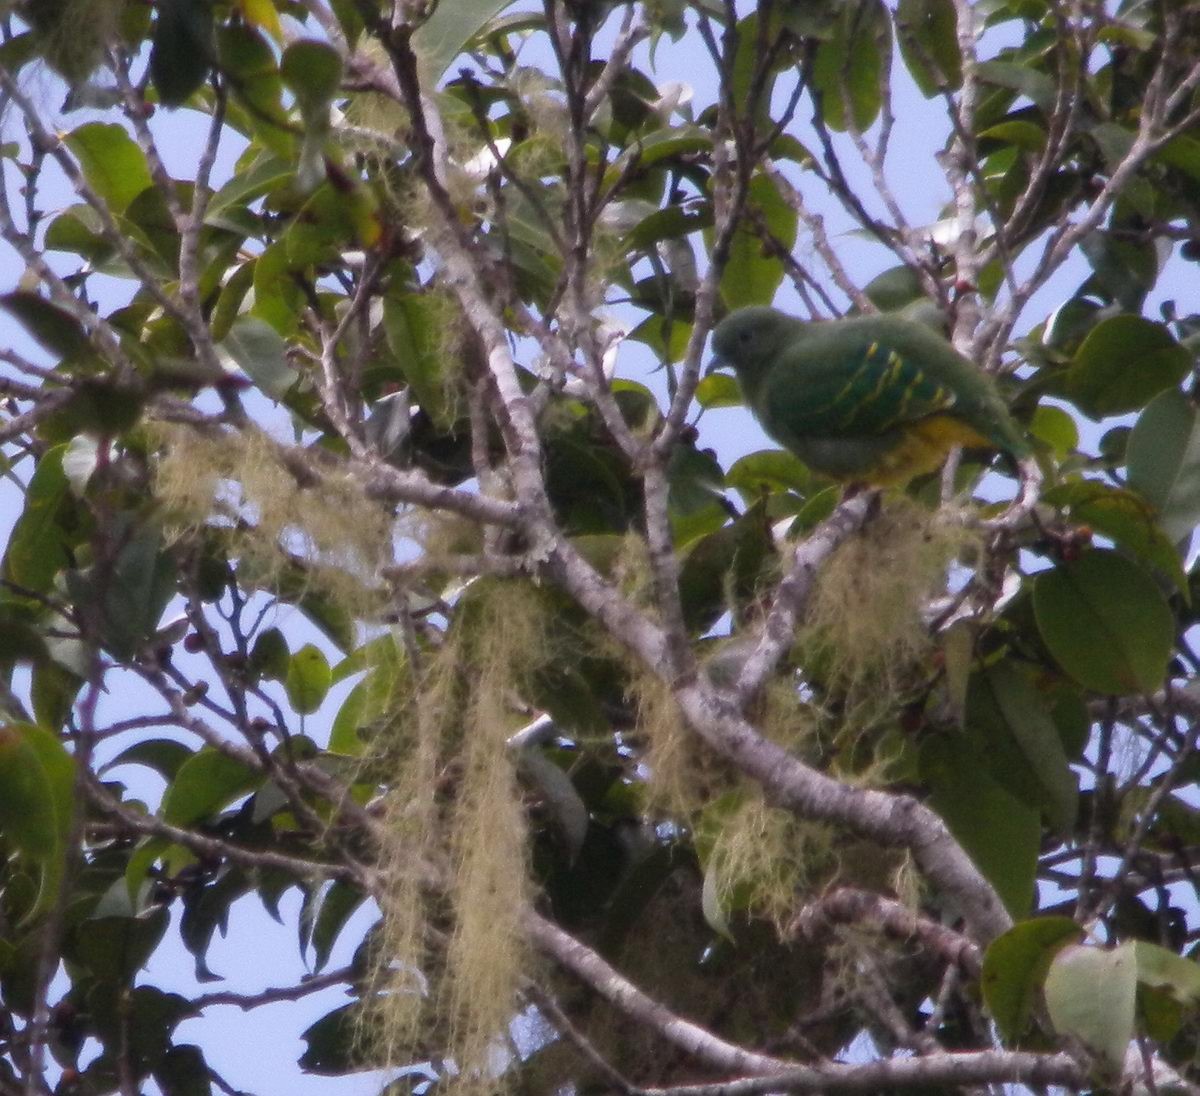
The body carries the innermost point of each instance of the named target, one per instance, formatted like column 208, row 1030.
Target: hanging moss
column 452, row 952
column 276, row 517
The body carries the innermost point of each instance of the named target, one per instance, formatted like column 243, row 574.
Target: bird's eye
column 745, row 335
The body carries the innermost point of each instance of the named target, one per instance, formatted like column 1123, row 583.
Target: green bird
column 869, row 399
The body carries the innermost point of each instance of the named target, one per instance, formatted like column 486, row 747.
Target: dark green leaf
column 1001, row 833
column 114, row 949
column 337, row 907
column 37, row 797
column 928, row 34
column 1002, row 702
column 54, row 328
column 163, row 755
column 270, row 655
column 182, row 1071
column 140, row 584
column 563, row 801
column 1164, row 461
column 182, row 51
column 1106, row 622
column 1122, row 363
column 333, row 1042
column 732, row 563
column 1022, row 78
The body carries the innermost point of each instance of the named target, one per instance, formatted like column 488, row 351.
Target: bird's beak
column 716, row 365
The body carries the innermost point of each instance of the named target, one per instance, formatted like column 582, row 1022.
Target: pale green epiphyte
column 869, row 399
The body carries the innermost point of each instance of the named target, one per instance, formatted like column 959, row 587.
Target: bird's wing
column 851, row 386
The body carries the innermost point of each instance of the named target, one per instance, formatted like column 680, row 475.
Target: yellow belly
column 924, row 448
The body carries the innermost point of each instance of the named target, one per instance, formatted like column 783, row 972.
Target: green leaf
column 308, row 679
column 415, row 327
column 334, row 1042
column 1000, row 833
column 729, row 564
column 1164, row 461
column 1122, row 363
column 1019, row 132
column 55, row 329
column 851, row 66
column 37, row 794
column 262, row 14
column 52, row 693
column 767, row 471
column 267, row 174
column 1091, row 994
column 446, row 32
column 337, row 907
column 270, row 656
column 669, row 223
column 1021, row 78
column 114, row 949
column 113, row 165
column 1182, row 152
column 312, row 70
column 718, row 390
column 164, row 755
column 894, row 289
column 261, row 353
column 206, row 782
column 38, row 544
column 28, row 819
column 1163, row 969
column 1014, row 969
column 182, row 49
column 1106, row 622
column 753, row 275
column 1056, row 428
column 928, row 35
column 695, row 503
column 182, row 1071
column 1124, row 270
column 248, row 64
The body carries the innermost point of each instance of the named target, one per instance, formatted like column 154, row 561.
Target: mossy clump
column 760, row 859
column 864, row 637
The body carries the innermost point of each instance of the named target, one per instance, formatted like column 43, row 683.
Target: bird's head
column 749, row 342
